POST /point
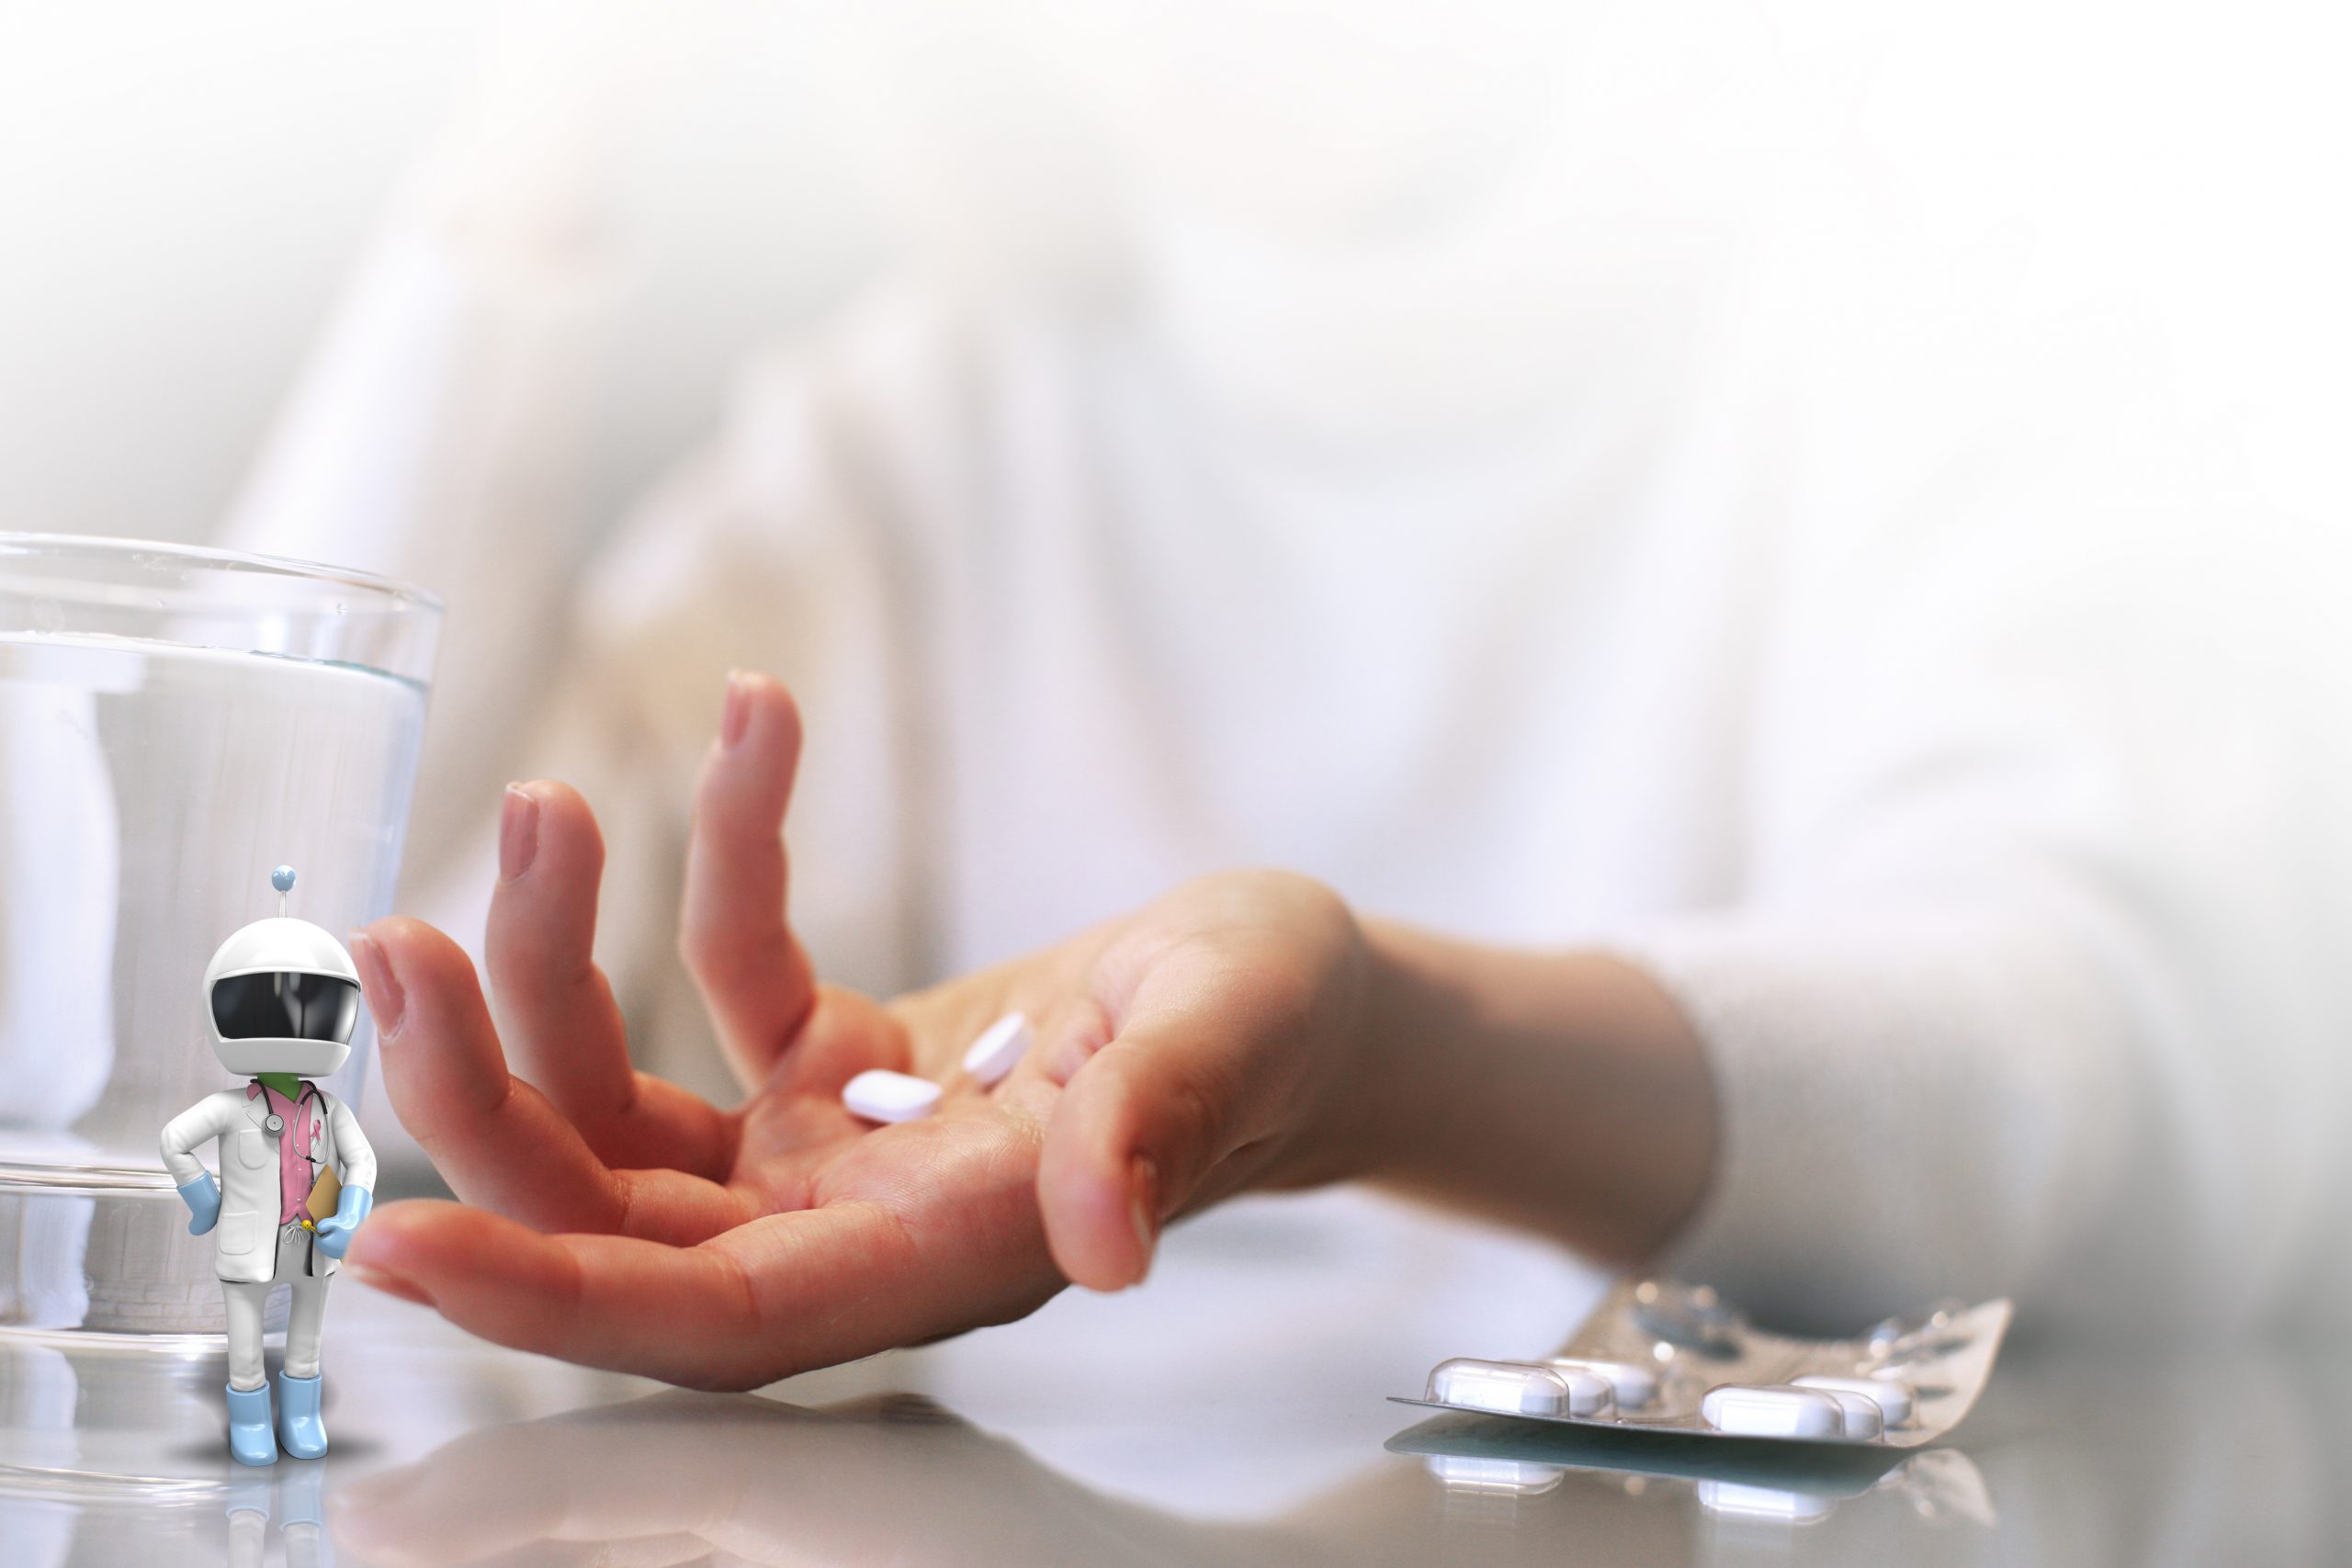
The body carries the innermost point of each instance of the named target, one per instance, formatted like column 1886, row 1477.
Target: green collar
column 288, row 1085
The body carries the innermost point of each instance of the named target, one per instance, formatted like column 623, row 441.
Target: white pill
column 1634, row 1384
column 880, row 1095
column 1772, row 1412
column 1000, row 1048
column 1859, row 1413
column 1519, row 1388
column 1894, row 1398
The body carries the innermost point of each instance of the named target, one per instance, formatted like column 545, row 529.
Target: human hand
column 202, row 1197
column 1207, row 1043
column 335, row 1231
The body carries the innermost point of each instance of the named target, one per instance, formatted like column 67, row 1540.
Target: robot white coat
column 281, row 997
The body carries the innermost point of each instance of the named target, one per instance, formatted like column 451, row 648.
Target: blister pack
column 1660, row 1356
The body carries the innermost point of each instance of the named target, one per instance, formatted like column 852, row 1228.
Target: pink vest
column 294, row 1173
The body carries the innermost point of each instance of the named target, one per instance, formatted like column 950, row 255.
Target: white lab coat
column 245, row 1240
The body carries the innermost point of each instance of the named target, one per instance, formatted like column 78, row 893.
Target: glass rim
column 114, row 547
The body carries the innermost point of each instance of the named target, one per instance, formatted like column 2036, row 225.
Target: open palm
column 613, row 1218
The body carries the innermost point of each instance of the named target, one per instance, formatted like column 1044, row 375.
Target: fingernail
column 1142, row 1207
column 518, row 833
column 736, row 717
column 381, row 986
column 391, row 1284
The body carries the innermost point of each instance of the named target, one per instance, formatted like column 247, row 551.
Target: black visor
column 285, row 1007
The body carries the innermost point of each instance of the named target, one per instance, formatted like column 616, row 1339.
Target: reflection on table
column 1194, row 1422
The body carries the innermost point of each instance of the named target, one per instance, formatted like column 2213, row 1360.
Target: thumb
column 1137, row 1128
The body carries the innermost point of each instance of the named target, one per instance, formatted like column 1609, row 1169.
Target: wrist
column 1340, row 1124
column 1388, row 1085
column 1411, row 1015
column 1563, row 1091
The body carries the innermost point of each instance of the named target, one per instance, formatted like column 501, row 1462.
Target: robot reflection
column 296, row 1173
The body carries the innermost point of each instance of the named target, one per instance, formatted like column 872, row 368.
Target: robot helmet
column 281, row 996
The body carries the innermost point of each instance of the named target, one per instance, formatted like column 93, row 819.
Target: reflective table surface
column 1232, row 1410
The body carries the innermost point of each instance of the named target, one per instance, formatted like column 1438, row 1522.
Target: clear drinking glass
column 174, row 723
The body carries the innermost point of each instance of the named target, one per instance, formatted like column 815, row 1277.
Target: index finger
column 733, row 933
column 495, row 1138
column 561, row 1025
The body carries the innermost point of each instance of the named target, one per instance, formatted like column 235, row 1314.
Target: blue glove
column 334, row 1231
column 202, row 1197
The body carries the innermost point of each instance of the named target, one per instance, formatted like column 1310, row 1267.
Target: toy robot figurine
column 296, row 1171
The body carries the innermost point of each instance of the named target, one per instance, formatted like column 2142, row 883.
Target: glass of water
column 174, row 723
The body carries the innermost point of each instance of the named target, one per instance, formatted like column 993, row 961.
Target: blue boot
column 299, row 1430
column 250, row 1441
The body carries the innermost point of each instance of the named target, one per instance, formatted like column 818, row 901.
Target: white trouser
column 293, row 1493
column 249, row 1539
column 246, row 1302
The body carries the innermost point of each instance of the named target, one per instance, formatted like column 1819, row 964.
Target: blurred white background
column 187, row 190
column 190, row 198
column 184, row 189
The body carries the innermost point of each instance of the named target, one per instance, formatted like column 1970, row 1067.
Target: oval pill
column 1519, row 1388
column 1894, row 1398
column 1859, row 1413
column 1632, row 1384
column 1000, row 1048
column 1772, row 1412
column 881, row 1096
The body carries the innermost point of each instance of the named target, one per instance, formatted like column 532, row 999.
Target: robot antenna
column 283, row 880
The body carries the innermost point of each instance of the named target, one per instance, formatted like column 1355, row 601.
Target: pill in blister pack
column 1771, row 1412
column 1633, row 1385
column 1787, row 1411
column 1892, row 1395
column 1519, row 1388
column 1657, row 1356
column 1859, row 1416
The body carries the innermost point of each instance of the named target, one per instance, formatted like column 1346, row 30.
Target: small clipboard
column 326, row 1192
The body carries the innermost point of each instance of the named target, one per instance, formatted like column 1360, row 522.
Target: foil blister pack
column 1660, row 1356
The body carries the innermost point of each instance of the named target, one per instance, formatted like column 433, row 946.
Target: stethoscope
column 274, row 1123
